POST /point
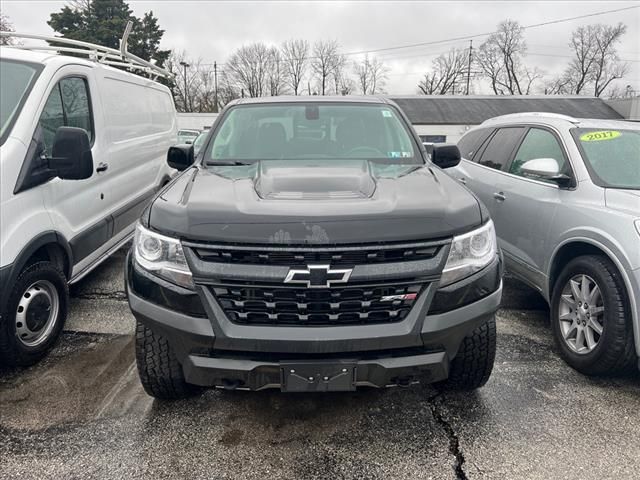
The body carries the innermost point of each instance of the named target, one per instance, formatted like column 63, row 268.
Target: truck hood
column 623, row 200
column 308, row 202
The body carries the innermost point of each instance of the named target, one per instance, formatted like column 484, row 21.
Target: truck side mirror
column 71, row 157
column 445, row 155
column 180, row 157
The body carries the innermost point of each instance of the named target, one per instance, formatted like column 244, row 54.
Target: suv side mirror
column 71, row 157
column 180, row 157
column 445, row 155
column 545, row 169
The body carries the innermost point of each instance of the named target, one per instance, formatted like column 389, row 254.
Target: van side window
column 51, row 119
column 537, row 144
column 498, row 152
column 75, row 100
column 67, row 106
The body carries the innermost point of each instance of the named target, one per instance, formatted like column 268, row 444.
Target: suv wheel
column 472, row 366
column 590, row 317
column 159, row 370
column 34, row 314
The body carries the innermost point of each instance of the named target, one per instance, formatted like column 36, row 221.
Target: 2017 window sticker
column 599, row 136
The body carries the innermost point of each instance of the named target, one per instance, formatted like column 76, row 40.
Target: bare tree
column 227, row 91
column 276, row 73
column 371, row 75
column 343, row 85
column 595, row 63
column 447, row 71
column 608, row 66
column 500, row 58
column 205, row 95
column 248, row 69
column 295, row 57
column 323, row 63
column 200, row 83
column 6, row 26
column 82, row 5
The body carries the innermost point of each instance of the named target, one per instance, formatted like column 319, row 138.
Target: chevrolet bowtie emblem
column 318, row 276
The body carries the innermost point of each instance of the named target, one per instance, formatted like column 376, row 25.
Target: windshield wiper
column 226, row 164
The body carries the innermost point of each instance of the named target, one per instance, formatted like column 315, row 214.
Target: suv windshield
column 16, row 79
column 612, row 156
column 294, row 131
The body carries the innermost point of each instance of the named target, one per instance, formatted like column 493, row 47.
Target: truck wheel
column 159, row 370
column 472, row 366
column 590, row 317
column 34, row 314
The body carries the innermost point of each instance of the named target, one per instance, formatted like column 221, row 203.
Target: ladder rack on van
column 98, row 53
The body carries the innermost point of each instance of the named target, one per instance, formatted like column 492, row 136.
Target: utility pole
column 469, row 66
column 185, row 65
column 215, row 82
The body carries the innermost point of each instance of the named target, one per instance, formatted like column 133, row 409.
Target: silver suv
column 564, row 195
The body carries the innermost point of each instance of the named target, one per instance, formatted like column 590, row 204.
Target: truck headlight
column 162, row 256
column 470, row 253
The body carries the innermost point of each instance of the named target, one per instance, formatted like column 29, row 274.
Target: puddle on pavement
column 90, row 377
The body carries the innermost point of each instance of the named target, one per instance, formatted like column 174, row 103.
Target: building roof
column 473, row 110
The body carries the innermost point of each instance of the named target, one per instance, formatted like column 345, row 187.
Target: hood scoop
column 310, row 180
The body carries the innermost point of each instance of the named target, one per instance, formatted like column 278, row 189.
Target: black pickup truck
column 313, row 245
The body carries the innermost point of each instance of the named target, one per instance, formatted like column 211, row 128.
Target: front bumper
column 216, row 352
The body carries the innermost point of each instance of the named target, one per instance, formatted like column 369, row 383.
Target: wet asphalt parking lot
column 83, row 414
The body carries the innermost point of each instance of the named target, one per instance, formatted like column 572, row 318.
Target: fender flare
column 635, row 312
column 11, row 272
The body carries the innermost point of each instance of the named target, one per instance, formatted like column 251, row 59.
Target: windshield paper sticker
column 399, row 154
column 599, row 136
column 386, row 113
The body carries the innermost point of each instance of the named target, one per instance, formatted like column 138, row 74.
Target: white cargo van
column 82, row 150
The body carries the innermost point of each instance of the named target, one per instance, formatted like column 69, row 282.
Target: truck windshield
column 297, row 131
column 16, row 79
column 612, row 156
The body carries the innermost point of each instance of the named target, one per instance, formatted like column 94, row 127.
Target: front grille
column 303, row 256
column 352, row 305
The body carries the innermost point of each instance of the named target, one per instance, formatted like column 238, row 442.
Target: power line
column 469, row 37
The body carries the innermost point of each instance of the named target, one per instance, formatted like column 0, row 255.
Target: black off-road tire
column 615, row 352
column 12, row 351
column 472, row 366
column 159, row 370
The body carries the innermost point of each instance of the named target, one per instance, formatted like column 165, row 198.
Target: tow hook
column 404, row 381
column 231, row 384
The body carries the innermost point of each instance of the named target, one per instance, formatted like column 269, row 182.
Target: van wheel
column 472, row 366
column 159, row 370
column 590, row 317
column 34, row 314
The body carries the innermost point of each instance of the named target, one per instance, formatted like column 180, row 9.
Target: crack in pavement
column 454, row 441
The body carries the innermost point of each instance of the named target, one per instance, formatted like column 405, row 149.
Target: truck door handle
column 499, row 196
column 463, row 181
column 102, row 167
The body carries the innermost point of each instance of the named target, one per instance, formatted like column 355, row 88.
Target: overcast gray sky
column 211, row 30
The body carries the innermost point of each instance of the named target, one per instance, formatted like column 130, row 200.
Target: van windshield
column 612, row 156
column 16, row 79
column 324, row 131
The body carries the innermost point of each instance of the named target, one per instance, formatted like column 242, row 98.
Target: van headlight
column 470, row 253
column 637, row 222
column 162, row 256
